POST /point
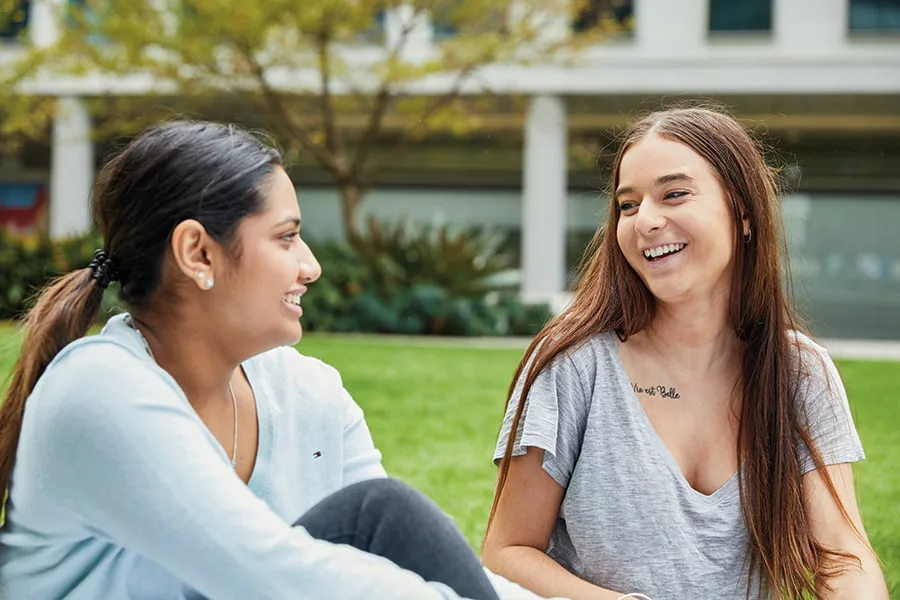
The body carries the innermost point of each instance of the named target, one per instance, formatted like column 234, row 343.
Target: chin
column 284, row 336
column 669, row 294
column 294, row 336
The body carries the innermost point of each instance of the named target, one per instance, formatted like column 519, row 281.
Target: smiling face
column 274, row 266
column 675, row 225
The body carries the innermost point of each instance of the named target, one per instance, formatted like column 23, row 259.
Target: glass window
column 875, row 15
column 845, row 263
column 451, row 16
column 442, row 21
column 85, row 19
column 612, row 15
column 740, row 15
column 14, row 24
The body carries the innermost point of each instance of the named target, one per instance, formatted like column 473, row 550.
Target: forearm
column 534, row 570
column 863, row 581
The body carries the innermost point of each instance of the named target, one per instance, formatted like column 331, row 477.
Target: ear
column 194, row 252
column 745, row 224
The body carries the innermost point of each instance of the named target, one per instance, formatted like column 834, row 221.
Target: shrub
column 29, row 263
column 459, row 261
column 396, row 279
column 401, row 279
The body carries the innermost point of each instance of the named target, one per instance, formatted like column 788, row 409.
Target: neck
column 695, row 337
column 194, row 358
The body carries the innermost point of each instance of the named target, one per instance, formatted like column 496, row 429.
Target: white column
column 666, row 27
column 544, row 187
column 72, row 169
column 811, row 26
column 43, row 27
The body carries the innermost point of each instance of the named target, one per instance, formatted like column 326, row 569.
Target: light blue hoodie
column 120, row 491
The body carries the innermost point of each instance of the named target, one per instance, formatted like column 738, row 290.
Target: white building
column 820, row 78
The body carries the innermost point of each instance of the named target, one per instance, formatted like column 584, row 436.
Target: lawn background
column 434, row 411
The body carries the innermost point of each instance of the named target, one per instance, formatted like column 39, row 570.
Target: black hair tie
column 103, row 269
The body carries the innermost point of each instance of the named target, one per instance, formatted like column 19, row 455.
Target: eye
column 628, row 208
column 676, row 194
column 290, row 237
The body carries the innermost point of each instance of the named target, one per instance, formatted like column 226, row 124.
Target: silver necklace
column 131, row 323
column 234, row 443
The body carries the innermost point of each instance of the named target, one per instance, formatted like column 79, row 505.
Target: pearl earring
column 201, row 275
column 208, row 284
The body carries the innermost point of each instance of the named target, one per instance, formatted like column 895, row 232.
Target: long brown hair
column 610, row 297
column 172, row 172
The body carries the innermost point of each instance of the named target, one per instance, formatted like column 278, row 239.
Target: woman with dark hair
column 168, row 456
column 681, row 438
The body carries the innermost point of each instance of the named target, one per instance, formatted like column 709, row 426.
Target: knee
column 384, row 490
column 392, row 495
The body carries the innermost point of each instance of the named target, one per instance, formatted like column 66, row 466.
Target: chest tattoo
column 657, row 390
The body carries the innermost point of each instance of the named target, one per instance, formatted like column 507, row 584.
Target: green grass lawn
column 434, row 413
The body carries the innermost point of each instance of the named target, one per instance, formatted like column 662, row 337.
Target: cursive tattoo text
column 657, row 390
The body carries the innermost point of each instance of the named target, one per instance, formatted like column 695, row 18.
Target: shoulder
column 594, row 357
column 98, row 364
column 98, row 383
column 578, row 368
column 811, row 361
column 818, row 383
column 805, row 347
column 599, row 348
column 115, row 359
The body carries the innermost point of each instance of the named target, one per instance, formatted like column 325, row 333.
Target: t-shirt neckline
column 726, row 490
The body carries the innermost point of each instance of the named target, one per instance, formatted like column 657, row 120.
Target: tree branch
column 370, row 176
column 382, row 102
column 326, row 160
column 333, row 140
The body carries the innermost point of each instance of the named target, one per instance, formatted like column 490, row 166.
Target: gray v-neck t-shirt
column 629, row 520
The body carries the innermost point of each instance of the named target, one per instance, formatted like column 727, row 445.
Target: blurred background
column 451, row 157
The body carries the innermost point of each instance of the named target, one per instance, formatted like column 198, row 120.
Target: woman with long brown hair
column 681, row 437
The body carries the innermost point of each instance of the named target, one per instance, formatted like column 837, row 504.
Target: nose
column 310, row 269
column 649, row 218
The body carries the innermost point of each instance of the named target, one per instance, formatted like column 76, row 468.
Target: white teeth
column 293, row 299
column 662, row 250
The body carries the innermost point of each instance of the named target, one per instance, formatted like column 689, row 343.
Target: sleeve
column 553, row 420
column 134, row 465
column 825, row 410
column 361, row 459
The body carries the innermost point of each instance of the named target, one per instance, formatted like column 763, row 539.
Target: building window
column 615, row 16
column 448, row 19
column 84, row 19
column 740, row 15
column 875, row 15
column 443, row 23
column 13, row 25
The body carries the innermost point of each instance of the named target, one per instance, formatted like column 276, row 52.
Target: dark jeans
column 388, row 518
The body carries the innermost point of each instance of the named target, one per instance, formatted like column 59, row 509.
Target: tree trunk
column 351, row 196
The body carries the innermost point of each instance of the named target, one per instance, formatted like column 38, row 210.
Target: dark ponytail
column 63, row 313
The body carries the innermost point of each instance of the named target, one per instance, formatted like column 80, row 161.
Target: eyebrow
column 293, row 220
column 660, row 181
